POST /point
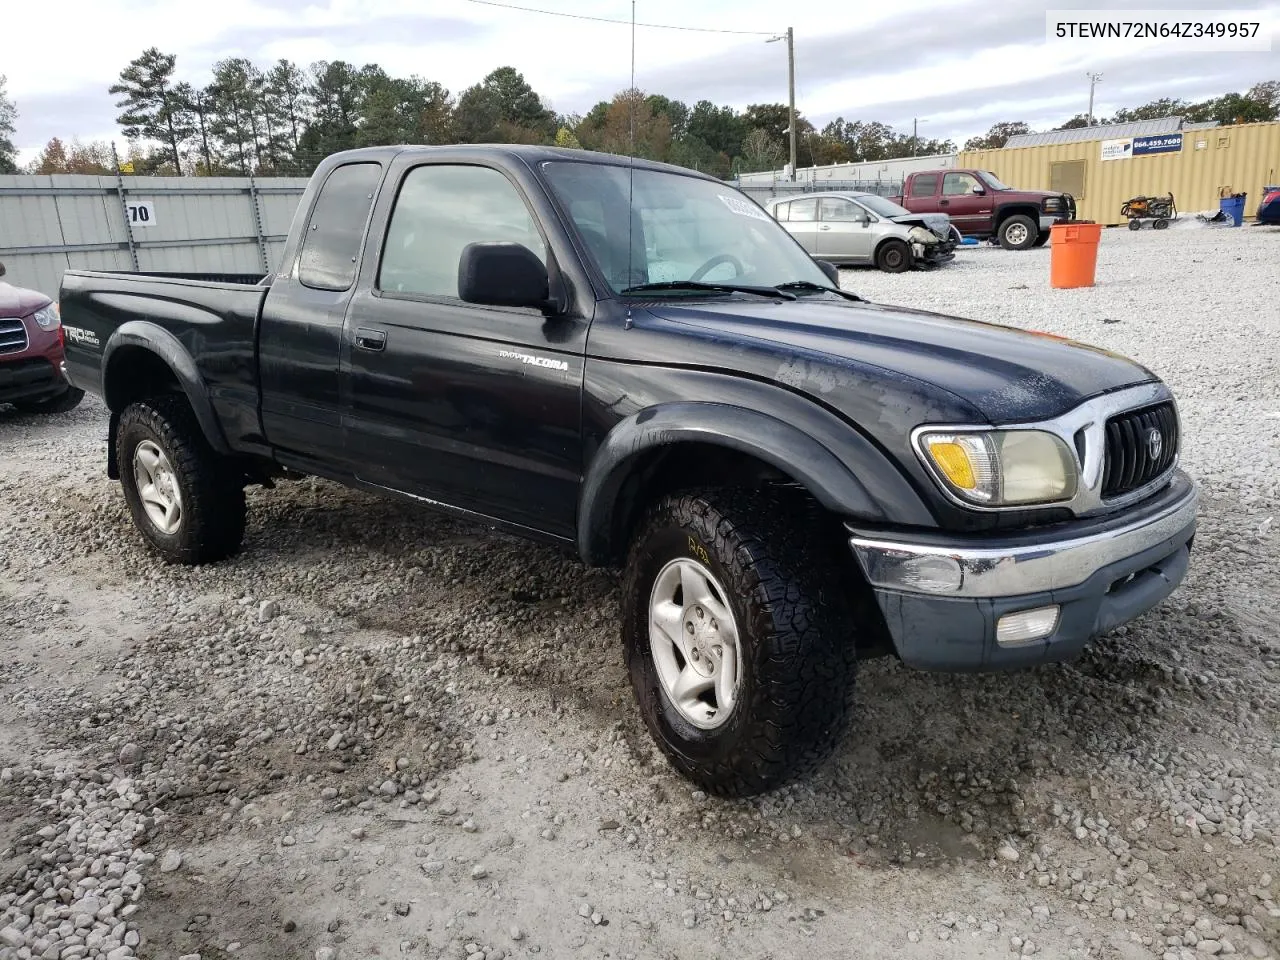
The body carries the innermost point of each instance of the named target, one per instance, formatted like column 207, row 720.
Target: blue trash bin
column 1233, row 207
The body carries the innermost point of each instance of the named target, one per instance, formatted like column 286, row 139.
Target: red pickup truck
column 981, row 206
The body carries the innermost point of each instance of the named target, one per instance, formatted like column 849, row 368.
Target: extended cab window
column 442, row 208
column 925, row 186
column 332, row 240
column 958, row 184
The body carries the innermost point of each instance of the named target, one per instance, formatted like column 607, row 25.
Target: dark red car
column 32, row 376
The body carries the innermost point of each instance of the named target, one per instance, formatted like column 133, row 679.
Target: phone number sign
column 1164, row 143
column 1141, row 146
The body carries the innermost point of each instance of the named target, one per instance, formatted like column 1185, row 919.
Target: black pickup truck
column 635, row 361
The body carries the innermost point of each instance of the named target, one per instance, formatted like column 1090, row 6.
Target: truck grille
column 1134, row 457
column 13, row 336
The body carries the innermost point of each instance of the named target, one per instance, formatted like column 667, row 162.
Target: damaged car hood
column 937, row 223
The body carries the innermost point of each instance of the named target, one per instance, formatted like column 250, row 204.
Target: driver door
column 969, row 211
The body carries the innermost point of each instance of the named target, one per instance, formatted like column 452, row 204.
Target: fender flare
column 169, row 349
column 760, row 435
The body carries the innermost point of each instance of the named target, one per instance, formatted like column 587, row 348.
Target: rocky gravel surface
column 378, row 732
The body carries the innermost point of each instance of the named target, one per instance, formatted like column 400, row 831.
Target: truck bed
column 213, row 318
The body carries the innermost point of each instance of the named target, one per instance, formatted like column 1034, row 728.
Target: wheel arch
column 1023, row 207
column 143, row 359
column 756, row 446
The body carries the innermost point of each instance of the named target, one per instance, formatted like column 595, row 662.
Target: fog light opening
column 1026, row 626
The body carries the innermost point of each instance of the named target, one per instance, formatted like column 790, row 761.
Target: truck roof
column 529, row 154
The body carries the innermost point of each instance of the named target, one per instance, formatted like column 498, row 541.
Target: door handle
column 825, row 226
column 367, row 339
column 944, row 203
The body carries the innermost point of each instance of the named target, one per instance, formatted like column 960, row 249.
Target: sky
column 956, row 66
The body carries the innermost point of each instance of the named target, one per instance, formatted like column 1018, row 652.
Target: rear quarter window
column 331, row 243
column 925, row 186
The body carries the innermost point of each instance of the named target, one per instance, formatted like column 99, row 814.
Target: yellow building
column 1106, row 165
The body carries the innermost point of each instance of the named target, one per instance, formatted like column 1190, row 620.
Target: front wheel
column 894, row 256
column 1018, row 232
column 185, row 499
column 738, row 639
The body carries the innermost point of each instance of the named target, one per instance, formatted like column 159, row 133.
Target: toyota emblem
column 1154, row 444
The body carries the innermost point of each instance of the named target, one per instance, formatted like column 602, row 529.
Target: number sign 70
column 140, row 213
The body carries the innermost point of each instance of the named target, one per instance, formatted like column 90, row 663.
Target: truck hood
column 17, row 302
column 1005, row 375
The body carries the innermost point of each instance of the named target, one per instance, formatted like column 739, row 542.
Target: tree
column 720, row 128
column 1155, row 110
column 676, row 112
column 287, row 97
column 8, row 127
column 237, row 119
column 95, row 158
column 199, row 105
column 567, row 139
column 1081, row 120
column 1232, row 108
column 997, row 136
column 761, row 151
column 335, row 94
column 612, row 132
column 503, row 106
column 151, row 108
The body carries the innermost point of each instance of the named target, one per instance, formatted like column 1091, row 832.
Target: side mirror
column 1, row 269
column 831, row 270
column 502, row 274
column 977, row 189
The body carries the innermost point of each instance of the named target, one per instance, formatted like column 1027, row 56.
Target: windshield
column 883, row 207
column 682, row 228
column 993, row 181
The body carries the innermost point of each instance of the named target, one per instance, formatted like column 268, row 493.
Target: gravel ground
column 378, row 732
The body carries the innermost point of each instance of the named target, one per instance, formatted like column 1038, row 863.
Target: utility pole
column 1093, row 79
column 915, row 134
column 789, row 36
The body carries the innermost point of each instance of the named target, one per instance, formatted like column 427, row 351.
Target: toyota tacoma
column 636, row 361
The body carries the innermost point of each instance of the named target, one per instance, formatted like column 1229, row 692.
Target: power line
column 655, row 26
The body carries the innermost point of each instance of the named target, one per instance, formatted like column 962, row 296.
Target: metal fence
column 156, row 224
column 760, row 192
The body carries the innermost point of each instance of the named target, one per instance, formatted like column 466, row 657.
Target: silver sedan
column 851, row 228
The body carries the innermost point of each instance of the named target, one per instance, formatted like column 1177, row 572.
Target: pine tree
column 8, row 121
column 151, row 107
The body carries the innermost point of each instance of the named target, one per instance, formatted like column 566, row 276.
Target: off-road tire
column 893, row 256
column 213, row 515
column 64, row 402
column 1018, row 219
column 796, row 621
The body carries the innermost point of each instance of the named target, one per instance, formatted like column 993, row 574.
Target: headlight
column 1001, row 467
column 922, row 235
column 1053, row 203
column 47, row 317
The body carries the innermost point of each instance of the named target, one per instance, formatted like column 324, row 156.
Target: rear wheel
column 187, row 501
column 738, row 638
column 1161, row 223
column 1135, row 224
column 69, row 399
column 894, row 256
column 1018, row 232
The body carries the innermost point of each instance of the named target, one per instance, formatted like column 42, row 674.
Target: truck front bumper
column 970, row 604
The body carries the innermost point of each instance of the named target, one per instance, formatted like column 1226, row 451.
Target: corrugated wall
column 1242, row 158
column 201, row 225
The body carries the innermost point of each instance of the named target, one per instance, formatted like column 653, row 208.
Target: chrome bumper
column 974, row 571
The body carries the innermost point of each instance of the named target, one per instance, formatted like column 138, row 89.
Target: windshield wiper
column 773, row 293
column 810, row 285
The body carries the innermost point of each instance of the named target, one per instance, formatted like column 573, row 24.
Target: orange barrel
column 1074, row 253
